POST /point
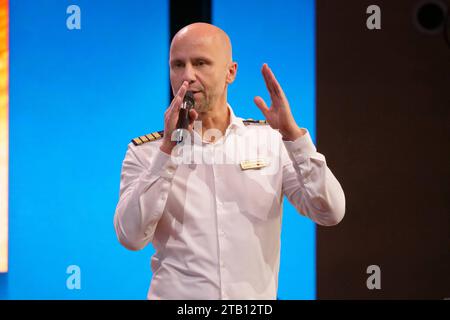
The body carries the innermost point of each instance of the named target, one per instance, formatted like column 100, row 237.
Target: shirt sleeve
column 144, row 188
column 309, row 184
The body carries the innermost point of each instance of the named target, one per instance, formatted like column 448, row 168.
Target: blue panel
column 77, row 97
column 281, row 34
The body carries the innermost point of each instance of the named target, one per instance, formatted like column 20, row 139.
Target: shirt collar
column 235, row 122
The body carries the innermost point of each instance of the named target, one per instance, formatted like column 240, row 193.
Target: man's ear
column 231, row 72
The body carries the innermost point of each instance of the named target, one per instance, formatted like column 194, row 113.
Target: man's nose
column 189, row 73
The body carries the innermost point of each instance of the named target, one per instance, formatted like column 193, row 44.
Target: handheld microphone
column 183, row 116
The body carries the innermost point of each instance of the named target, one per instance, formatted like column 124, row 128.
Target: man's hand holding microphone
column 179, row 115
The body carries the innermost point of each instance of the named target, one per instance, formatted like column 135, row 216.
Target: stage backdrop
column 78, row 96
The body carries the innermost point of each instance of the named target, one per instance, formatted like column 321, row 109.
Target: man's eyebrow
column 202, row 58
column 177, row 60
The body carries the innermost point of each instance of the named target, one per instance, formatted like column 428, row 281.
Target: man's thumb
column 261, row 105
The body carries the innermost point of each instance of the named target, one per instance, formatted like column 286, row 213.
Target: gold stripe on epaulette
column 252, row 121
column 156, row 135
column 147, row 138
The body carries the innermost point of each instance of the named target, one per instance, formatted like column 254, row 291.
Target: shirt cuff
column 300, row 148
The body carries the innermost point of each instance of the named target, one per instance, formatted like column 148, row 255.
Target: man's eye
column 200, row 63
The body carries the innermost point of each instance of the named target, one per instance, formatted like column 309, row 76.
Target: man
column 215, row 225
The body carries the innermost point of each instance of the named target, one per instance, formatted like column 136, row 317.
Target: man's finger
column 262, row 106
column 182, row 91
column 272, row 81
column 267, row 80
column 178, row 99
column 275, row 84
column 193, row 115
column 176, row 104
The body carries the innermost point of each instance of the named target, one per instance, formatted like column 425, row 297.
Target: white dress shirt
column 214, row 226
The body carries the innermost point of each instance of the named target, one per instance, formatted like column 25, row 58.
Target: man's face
column 201, row 62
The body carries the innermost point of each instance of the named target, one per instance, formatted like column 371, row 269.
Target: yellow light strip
column 4, row 71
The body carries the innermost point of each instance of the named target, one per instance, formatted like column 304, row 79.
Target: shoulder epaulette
column 148, row 137
column 252, row 121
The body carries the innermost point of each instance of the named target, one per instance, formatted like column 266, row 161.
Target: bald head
column 201, row 31
column 200, row 54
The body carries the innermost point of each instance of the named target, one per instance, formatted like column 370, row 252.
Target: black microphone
column 183, row 116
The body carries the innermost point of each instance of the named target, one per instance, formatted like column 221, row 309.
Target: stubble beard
column 204, row 105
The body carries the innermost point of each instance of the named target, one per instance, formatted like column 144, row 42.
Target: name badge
column 254, row 164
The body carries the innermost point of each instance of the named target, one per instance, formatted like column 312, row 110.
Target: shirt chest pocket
column 258, row 178
column 254, row 190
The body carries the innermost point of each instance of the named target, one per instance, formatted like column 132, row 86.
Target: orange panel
column 4, row 71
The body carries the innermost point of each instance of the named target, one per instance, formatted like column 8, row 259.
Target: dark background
column 383, row 123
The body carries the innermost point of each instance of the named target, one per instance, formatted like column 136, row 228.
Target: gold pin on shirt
column 254, row 164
